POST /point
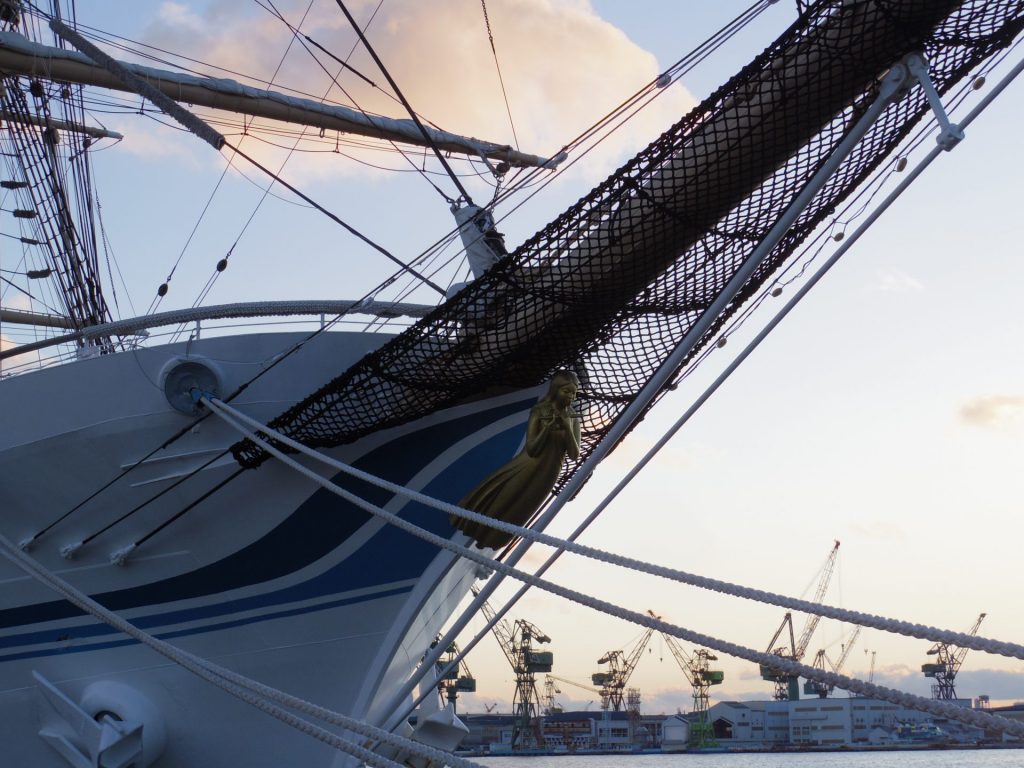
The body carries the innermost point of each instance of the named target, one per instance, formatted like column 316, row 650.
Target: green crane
column 948, row 659
column 517, row 643
column 697, row 669
column 620, row 667
column 823, row 690
column 458, row 680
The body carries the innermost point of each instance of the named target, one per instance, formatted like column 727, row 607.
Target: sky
column 886, row 412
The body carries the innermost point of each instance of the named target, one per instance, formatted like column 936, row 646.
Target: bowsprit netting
column 613, row 285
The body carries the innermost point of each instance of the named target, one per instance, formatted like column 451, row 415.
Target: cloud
column 993, row 410
column 671, row 457
column 151, row 141
column 879, row 529
column 999, row 685
column 17, row 300
column 179, row 15
column 898, row 282
column 562, row 65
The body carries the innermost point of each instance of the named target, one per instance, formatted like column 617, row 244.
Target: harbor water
column 955, row 758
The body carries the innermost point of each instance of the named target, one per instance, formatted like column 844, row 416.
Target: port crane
column 517, row 642
column 550, row 689
column 697, row 669
column 948, row 659
column 788, row 686
column 585, row 687
column 458, row 679
column 822, row 690
column 612, row 683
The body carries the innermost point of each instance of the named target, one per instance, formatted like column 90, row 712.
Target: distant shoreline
column 790, row 749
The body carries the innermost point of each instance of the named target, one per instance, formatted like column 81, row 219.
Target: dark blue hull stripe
column 199, row 630
column 318, row 526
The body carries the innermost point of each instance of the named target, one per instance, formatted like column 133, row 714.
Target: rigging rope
column 422, row 172
column 232, row 416
column 217, row 140
column 247, row 123
column 237, row 685
column 162, row 289
column 632, row 106
column 335, row 82
column 176, row 316
column 405, row 103
column 497, row 66
column 352, row 230
column 47, row 196
column 787, row 666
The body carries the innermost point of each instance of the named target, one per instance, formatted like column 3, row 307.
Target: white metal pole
column 891, row 88
column 812, row 281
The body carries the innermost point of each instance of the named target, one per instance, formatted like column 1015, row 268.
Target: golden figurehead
column 515, row 491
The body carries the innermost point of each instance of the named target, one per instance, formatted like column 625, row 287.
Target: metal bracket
column 84, row 741
column 950, row 134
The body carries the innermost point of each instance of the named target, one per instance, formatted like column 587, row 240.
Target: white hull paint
column 271, row 576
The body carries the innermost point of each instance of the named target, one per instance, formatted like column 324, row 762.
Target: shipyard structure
column 539, row 724
column 830, row 723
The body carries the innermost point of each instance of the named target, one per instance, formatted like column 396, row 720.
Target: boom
column 821, row 659
column 21, row 56
column 517, row 643
column 620, row 668
column 697, row 670
column 819, row 594
column 948, row 659
column 787, row 686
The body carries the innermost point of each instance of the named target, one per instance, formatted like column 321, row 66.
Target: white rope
column 238, row 685
column 573, row 486
column 896, row 626
column 781, row 664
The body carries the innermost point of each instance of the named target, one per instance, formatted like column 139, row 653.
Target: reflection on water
column 959, row 758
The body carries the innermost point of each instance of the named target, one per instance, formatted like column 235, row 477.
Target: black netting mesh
column 613, row 285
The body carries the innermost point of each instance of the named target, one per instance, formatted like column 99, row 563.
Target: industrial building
column 568, row 732
column 539, row 724
column 834, row 722
column 816, row 723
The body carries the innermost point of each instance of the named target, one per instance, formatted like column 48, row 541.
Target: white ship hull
column 270, row 576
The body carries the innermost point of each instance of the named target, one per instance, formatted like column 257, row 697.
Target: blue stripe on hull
column 321, row 524
column 206, row 628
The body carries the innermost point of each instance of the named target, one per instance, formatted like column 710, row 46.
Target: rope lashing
column 251, row 691
column 872, row 621
column 783, row 665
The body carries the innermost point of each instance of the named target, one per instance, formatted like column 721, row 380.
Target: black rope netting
column 613, row 285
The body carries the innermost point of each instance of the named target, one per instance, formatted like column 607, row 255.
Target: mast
column 21, row 56
column 41, row 108
column 47, row 172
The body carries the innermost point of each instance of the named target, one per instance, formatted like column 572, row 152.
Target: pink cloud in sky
column 993, row 410
column 563, row 66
